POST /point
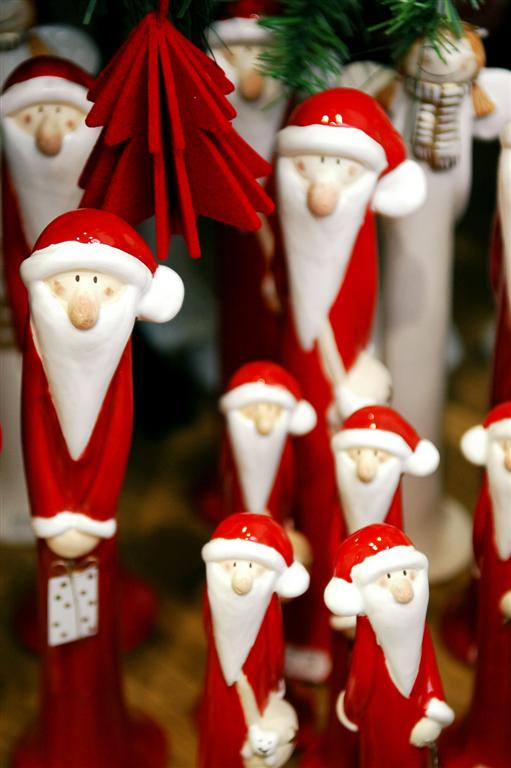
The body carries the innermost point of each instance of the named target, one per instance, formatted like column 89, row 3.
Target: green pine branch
column 411, row 19
column 309, row 47
column 190, row 17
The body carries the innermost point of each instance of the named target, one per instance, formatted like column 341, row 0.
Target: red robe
column 501, row 374
column 351, row 318
column 223, row 726
column 92, row 484
column 82, row 718
column 485, row 736
column 15, row 250
column 385, row 718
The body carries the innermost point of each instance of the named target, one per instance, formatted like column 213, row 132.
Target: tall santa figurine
column 45, row 145
column 264, row 410
column 484, row 737
column 443, row 98
column 393, row 696
column 246, row 721
column 339, row 161
column 89, row 277
column 249, row 321
column 373, row 450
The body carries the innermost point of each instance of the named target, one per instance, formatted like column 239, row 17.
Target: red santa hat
column 263, row 381
column 259, row 538
column 239, row 25
column 344, row 122
column 496, row 426
column 362, row 558
column 377, row 426
column 100, row 241
column 46, row 79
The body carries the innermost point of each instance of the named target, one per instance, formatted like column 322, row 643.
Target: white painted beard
column 236, row 619
column 79, row 365
column 257, row 457
column 45, row 186
column 318, row 249
column 256, row 121
column 366, row 503
column 399, row 629
column 499, row 482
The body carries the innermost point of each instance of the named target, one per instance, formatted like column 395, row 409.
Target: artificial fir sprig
column 411, row 19
column 309, row 47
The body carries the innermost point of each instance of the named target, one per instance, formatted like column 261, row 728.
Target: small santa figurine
column 249, row 309
column 89, row 278
column 45, row 143
column 484, row 737
column 393, row 696
column 373, row 450
column 339, row 161
column 264, row 410
column 246, row 721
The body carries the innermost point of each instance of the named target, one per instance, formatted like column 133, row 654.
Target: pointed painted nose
column 402, row 590
column 322, row 198
column 251, row 85
column 83, row 310
column 48, row 137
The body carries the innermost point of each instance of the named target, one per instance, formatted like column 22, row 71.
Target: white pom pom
column 164, row 298
column 424, row 460
column 474, row 445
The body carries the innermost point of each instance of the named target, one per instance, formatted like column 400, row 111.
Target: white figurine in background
column 439, row 105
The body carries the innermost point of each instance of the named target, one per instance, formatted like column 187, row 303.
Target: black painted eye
column 40, row 109
column 95, row 279
column 234, row 565
column 388, row 575
column 322, row 159
column 338, row 161
column 404, row 573
column 57, row 109
column 77, row 278
column 250, row 565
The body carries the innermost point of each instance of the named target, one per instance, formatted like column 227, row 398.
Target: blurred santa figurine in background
column 264, row 410
column 249, row 320
column 393, row 696
column 45, row 144
column 246, row 722
column 88, row 279
column 339, row 161
column 484, row 738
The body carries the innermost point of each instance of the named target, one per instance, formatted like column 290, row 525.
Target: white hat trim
column 303, row 415
column 218, row 550
column 385, row 561
column 500, row 430
column 238, row 30
column 422, row 461
column 47, row 527
column 474, row 445
column 343, row 598
column 337, row 140
column 69, row 255
column 44, row 89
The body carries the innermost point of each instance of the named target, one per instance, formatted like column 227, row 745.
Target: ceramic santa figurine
column 246, row 721
column 264, row 410
column 393, row 697
column 249, row 308
column 89, row 277
column 442, row 100
column 484, row 737
column 45, row 144
column 339, row 161
column 373, row 450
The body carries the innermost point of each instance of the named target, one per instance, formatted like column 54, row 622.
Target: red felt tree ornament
column 161, row 103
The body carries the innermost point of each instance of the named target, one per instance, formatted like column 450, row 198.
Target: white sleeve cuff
column 47, row 527
column 440, row 712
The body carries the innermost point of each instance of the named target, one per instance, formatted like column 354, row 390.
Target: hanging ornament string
column 167, row 146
